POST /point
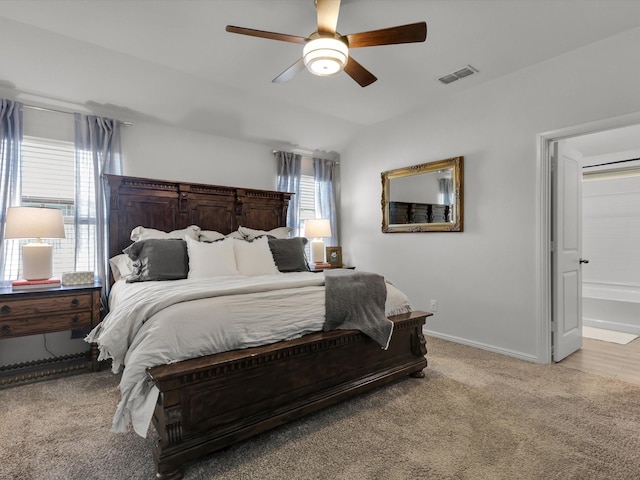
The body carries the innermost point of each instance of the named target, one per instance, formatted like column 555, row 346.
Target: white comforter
column 154, row 323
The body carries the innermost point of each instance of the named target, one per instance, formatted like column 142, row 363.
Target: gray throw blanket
column 356, row 301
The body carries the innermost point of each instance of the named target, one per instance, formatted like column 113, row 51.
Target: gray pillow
column 158, row 259
column 288, row 253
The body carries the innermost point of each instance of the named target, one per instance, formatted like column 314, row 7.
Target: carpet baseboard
column 483, row 346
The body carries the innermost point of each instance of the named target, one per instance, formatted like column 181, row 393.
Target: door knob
column 584, row 260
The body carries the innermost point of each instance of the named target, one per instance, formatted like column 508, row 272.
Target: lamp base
column 317, row 251
column 37, row 261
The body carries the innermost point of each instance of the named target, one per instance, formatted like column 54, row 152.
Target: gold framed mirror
column 423, row 198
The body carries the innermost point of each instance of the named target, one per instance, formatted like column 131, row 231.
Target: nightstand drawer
column 35, row 306
column 36, row 325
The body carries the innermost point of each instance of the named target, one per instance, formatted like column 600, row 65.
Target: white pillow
column 209, row 236
column 212, row 235
column 254, row 258
column 235, row 234
column 215, row 259
column 121, row 266
column 142, row 233
column 279, row 232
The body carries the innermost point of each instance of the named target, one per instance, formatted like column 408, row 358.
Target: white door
column 567, row 249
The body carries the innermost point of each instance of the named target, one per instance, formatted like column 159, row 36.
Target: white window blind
column 307, row 193
column 307, row 204
column 307, row 199
column 48, row 173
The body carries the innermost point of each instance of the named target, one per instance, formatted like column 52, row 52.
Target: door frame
column 543, row 270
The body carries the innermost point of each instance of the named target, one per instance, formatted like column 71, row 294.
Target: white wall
column 611, row 231
column 484, row 278
column 611, row 242
column 167, row 153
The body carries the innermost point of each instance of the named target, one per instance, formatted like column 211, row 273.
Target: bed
column 204, row 403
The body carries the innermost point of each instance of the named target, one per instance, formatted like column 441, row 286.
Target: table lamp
column 35, row 222
column 317, row 229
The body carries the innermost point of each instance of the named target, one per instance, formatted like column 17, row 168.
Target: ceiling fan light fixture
column 325, row 56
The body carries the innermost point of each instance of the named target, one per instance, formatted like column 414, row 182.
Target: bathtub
column 611, row 306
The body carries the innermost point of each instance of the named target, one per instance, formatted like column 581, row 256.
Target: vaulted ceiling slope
column 173, row 62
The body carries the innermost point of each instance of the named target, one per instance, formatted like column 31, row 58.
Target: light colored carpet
column 608, row 335
column 477, row 415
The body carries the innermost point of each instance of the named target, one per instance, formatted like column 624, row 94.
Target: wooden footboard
column 208, row 403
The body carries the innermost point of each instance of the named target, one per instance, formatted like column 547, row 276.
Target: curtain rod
column 306, row 153
column 612, row 163
column 45, row 109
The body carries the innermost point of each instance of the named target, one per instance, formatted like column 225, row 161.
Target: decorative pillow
column 213, row 236
column 121, row 266
column 158, row 259
column 250, row 233
column 211, row 259
column 288, row 253
column 254, row 257
column 142, row 233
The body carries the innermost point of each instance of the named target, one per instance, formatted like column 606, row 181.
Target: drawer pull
column 5, row 329
column 75, row 302
column 75, row 319
column 5, row 309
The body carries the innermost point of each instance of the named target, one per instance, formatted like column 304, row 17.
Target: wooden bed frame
column 210, row 402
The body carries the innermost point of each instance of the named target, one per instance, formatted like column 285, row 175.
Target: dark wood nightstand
column 34, row 312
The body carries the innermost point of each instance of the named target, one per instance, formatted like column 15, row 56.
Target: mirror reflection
column 423, row 198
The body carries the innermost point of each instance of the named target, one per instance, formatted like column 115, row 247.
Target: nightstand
column 35, row 312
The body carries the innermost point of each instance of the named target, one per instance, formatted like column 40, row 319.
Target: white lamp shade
column 318, row 228
column 34, row 222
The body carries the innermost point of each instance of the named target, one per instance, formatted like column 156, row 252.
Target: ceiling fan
column 326, row 52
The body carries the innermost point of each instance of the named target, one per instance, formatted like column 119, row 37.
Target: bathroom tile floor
column 607, row 359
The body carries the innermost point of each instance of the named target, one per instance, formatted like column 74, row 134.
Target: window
column 307, row 208
column 48, row 179
column 307, row 199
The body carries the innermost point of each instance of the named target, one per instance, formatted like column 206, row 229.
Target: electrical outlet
column 434, row 305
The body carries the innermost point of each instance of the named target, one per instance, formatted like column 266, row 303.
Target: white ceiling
column 221, row 82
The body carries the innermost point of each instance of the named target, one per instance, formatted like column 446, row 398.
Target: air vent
column 448, row 79
column 463, row 72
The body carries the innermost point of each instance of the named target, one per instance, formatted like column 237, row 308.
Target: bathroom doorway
column 546, row 213
column 611, row 244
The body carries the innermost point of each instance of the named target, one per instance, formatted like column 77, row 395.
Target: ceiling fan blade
column 290, row 72
column 327, row 11
column 264, row 34
column 414, row 32
column 360, row 74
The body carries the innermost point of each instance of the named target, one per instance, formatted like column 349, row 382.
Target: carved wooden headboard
column 167, row 206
